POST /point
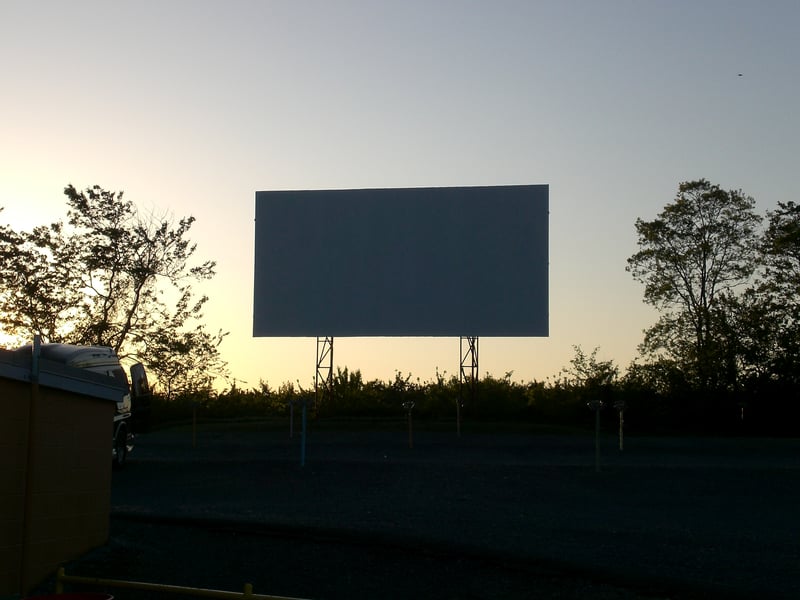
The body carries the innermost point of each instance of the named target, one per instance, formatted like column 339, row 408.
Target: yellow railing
column 247, row 594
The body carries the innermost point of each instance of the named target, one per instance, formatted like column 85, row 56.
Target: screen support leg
column 323, row 385
column 468, row 374
column 323, row 380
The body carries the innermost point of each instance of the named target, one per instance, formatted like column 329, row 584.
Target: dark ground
column 480, row 516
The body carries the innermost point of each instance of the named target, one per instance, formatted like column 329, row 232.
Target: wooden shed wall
column 70, row 480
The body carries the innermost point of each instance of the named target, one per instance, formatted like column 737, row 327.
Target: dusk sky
column 191, row 107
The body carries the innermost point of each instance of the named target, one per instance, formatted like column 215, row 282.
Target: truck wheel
column 121, row 448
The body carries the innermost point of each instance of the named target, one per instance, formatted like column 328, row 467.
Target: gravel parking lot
column 476, row 516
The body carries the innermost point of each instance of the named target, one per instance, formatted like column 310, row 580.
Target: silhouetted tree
column 691, row 259
column 187, row 361
column 780, row 289
column 592, row 378
column 36, row 294
column 112, row 277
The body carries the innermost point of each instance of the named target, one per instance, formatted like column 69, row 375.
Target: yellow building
column 55, row 465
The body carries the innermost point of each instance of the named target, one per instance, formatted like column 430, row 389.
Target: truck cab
column 104, row 360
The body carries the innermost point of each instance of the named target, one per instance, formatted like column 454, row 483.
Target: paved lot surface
column 480, row 516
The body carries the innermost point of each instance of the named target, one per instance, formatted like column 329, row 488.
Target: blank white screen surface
column 402, row 262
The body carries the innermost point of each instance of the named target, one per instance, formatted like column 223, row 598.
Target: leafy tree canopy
column 691, row 260
column 111, row 276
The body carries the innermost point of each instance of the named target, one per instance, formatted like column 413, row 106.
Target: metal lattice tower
column 468, row 374
column 323, row 379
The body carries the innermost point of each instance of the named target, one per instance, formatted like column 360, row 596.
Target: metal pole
column 161, row 589
column 620, row 406
column 30, row 465
column 597, row 439
column 458, row 415
column 303, row 436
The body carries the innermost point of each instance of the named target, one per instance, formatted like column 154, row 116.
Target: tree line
column 723, row 354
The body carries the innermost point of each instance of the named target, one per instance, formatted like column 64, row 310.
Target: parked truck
column 104, row 360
